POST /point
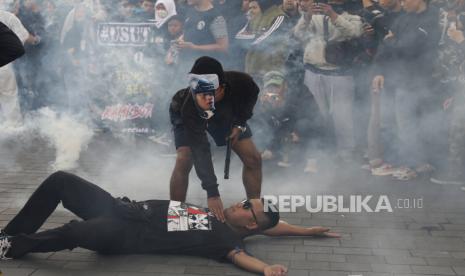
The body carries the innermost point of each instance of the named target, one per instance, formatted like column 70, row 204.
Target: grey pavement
column 407, row 241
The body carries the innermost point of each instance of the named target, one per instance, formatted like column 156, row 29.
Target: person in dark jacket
column 220, row 106
column 405, row 61
column 29, row 68
column 11, row 47
column 119, row 226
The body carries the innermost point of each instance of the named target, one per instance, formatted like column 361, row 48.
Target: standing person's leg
column 252, row 166
column 456, row 156
column 342, row 98
column 247, row 152
column 406, row 103
column 81, row 197
column 316, row 86
column 105, row 235
column 179, row 180
column 375, row 145
column 388, row 125
column 453, row 172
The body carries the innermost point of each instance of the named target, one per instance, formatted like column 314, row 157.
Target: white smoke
column 67, row 135
column 64, row 133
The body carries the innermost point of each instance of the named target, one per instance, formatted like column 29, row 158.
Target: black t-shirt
column 200, row 29
column 181, row 228
column 197, row 26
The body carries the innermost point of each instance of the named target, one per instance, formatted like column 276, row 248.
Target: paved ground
column 414, row 241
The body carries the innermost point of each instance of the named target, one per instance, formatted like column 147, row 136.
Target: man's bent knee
column 184, row 155
column 56, row 179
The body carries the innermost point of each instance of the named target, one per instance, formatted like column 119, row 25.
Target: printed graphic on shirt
column 200, row 25
column 186, row 217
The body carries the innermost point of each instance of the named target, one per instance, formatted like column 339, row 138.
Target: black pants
column 101, row 229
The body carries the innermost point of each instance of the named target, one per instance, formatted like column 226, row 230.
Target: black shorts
column 218, row 132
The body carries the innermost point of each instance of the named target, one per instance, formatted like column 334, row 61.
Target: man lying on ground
column 120, row 226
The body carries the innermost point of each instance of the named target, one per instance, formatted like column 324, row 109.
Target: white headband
column 193, row 79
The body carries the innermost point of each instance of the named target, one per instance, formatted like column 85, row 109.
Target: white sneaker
column 5, row 246
column 311, row 166
column 284, row 164
column 267, row 155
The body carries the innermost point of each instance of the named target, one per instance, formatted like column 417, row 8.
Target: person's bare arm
column 31, row 39
column 252, row 264
column 285, row 229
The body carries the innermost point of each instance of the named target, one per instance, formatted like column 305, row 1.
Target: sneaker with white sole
column 5, row 245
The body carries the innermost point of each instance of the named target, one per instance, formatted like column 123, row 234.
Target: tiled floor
column 413, row 241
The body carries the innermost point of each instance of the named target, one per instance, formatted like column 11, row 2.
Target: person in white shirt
column 332, row 85
column 9, row 104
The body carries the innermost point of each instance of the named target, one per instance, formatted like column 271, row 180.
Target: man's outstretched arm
column 285, row 229
column 252, row 264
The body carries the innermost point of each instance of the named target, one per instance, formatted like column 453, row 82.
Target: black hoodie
column 235, row 108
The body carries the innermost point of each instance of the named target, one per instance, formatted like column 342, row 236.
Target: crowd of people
column 379, row 82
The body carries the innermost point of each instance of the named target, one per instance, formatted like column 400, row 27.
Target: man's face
column 245, row 6
column 148, row 6
column 412, row 6
column 238, row 216
column 174, row 27
column 272, row 96
column 254, row 9
column 289, row 5
column 205, row 100
column 304, row 5
column 126, row 9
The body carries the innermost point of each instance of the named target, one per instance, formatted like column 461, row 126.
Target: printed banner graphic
column 125, row 112
column 125, row 34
